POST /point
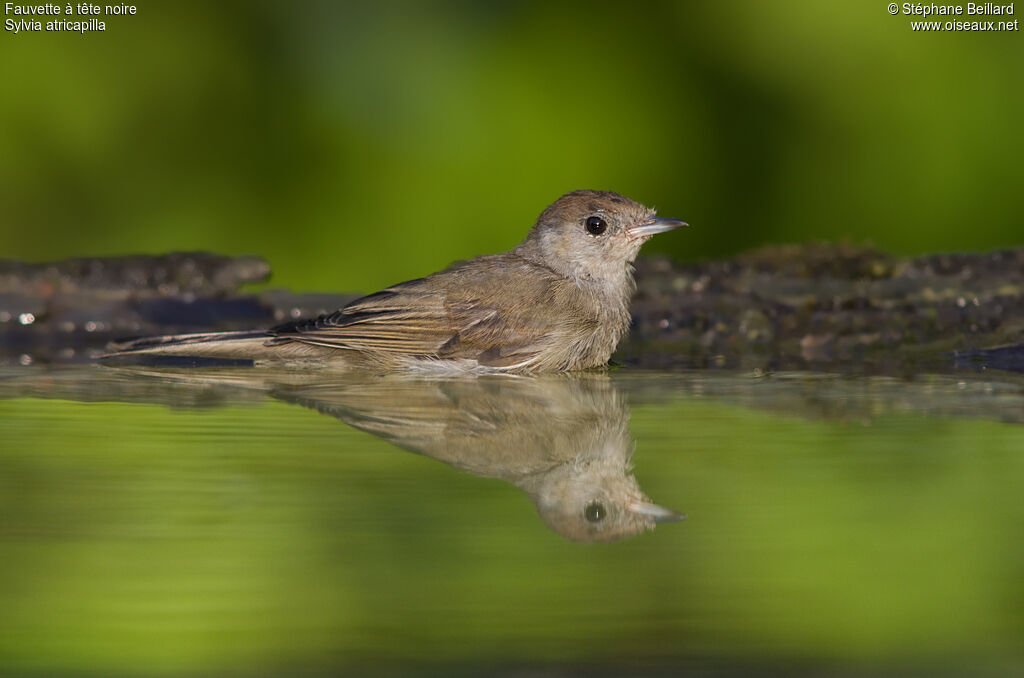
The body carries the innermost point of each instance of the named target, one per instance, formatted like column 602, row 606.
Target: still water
column 248, row 522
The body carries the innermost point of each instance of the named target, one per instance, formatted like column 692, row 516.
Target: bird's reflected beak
column 654, row 225
column 659, row 513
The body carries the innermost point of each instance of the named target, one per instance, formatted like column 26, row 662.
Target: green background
column 356, row 145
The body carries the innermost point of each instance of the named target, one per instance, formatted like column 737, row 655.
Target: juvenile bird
column 558, row 301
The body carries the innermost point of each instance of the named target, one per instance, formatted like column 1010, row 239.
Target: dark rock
column 834, row 307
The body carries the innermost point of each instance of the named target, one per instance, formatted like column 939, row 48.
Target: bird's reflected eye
column 595, row 512
column 596, row 225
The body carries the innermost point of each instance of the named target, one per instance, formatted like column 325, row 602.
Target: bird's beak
column 654, row 225
column 659, row 513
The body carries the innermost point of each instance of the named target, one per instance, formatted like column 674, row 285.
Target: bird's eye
column 595, row 512
column 596, row 225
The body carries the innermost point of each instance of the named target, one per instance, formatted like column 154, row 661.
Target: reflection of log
column 799, row 306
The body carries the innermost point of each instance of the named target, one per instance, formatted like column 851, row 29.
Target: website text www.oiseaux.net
column 987, row 16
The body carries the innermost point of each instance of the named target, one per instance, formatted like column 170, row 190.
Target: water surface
column 254, row 522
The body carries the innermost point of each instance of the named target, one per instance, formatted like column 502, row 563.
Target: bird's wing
column 447, row 318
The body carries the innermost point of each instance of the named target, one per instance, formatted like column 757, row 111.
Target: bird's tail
column 242, row 347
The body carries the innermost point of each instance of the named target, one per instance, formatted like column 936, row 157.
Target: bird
column 559, row 301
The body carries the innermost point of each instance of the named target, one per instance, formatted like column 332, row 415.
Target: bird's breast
column 596, row 333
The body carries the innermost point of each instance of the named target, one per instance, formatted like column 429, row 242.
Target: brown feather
column 453, row 317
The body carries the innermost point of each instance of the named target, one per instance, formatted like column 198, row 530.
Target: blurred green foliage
column 358, row 144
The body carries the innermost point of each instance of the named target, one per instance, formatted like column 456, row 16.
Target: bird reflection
column 562, row 439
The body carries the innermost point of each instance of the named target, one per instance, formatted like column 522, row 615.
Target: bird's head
column 593, row 235
column 596, row 498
